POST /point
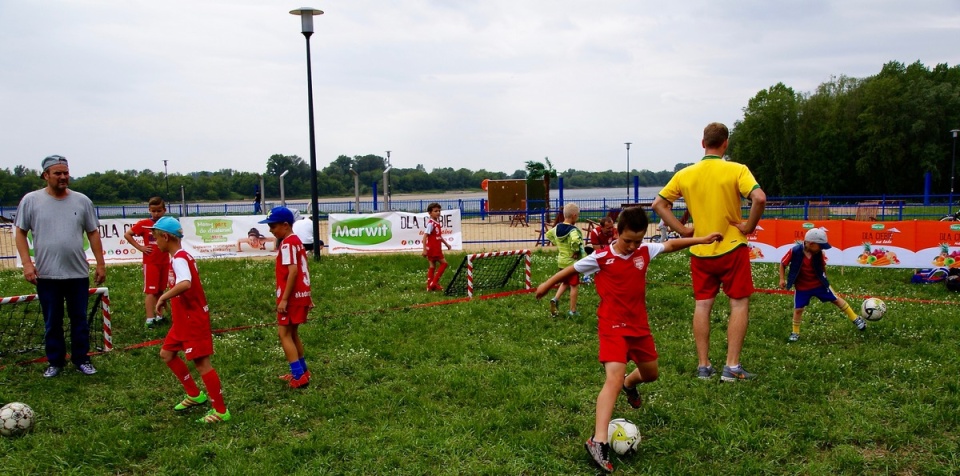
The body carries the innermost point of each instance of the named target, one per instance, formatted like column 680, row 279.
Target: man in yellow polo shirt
column 713, row 189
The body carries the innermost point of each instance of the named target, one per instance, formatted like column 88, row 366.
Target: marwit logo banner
column 389, row 231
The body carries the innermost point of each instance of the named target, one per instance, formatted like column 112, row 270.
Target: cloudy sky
column 214, row 84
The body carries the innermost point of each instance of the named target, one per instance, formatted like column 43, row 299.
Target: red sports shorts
column 614, row 348
column 294, row 315
column 194, row 341
column 435, row 253
column 732, row 270
column 572, row 280
column 155, row 277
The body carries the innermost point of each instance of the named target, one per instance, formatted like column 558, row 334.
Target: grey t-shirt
column 59, row 228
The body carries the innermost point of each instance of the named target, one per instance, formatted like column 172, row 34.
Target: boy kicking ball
column 807, row 264
column 190, row 331
column 293, row 293
column 622, row 325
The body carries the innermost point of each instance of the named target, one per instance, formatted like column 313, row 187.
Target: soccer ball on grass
column 873, row 309
column 15, row 419
column 624, row 436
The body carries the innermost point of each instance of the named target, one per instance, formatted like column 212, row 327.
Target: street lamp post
column 283, row 196
column 306, row 21
column 166, row 177
column 953, row 163
column 628, row 169
column 386, row 184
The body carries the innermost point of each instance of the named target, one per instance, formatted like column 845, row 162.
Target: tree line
column 871, row 136
column 135, row 186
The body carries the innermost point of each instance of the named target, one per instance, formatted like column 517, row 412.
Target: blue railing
column 882, row 207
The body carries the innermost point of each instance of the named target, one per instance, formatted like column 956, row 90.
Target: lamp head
column 955, row 131
column 306, row 18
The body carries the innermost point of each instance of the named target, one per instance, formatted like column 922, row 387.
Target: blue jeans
column 52, row 294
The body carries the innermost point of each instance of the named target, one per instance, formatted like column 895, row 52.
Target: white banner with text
column 389, row 231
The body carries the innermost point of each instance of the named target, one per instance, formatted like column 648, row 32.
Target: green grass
column 498, row 387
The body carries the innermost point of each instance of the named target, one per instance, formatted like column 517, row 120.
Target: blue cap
column 279, row 215
column 168, row 224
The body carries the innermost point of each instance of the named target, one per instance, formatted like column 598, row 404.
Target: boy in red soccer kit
column 156, row 263
column 432, row 250
column 190, row 332
column 293, row 293
column 622, row 324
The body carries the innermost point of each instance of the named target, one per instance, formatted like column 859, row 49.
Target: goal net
column 495, row 270
column 22, row 326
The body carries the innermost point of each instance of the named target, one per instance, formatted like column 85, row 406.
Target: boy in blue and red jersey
column 190, row 330
column 293, row 293
column 622, row 324
column 807, row 263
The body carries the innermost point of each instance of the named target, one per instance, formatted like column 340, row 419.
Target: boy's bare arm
column 684, row 243
column 171, row 293
column 292, row 273
column 783, row 282
column 561, row 275
column 129, row 237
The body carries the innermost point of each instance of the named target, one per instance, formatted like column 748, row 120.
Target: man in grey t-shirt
column 58, row 218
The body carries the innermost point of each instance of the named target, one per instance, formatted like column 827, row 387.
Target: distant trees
column 871, row 136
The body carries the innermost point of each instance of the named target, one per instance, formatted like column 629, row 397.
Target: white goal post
column 101, row 300
column 471, row 259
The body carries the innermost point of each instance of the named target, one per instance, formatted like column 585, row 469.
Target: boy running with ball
column 155, row 262
column 622, row 325
column 190, row 332
column 293, row 293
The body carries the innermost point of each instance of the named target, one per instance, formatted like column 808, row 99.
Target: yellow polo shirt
column 712, row 189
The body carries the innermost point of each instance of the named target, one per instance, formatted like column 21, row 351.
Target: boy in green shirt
column 569, row 242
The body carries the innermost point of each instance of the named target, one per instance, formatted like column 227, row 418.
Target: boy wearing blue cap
column 293, row 293
column 190, row 331
column 807, row 275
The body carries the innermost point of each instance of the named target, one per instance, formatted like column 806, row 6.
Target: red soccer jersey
column 291, row 252
column 192, row 303
column 155, row 256
column 433, row 233
column 601, row 240
column 806, row 279
column 621, row 283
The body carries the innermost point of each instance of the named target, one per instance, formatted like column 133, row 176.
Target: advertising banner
column 203, row 237
column 389, row 231
column 891, row 244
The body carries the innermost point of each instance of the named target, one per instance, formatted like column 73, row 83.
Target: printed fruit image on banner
column 947, row 258
column 880, row 244
column 877, row 256
column 755, row 253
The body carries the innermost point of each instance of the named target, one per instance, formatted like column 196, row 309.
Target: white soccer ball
column 624, row 436
column 15, row 419
column 873, row 309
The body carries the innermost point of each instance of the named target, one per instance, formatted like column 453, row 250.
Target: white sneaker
column 52, row 371
column 86, row 369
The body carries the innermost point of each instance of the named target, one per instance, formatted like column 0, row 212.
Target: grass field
column 498, row 387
